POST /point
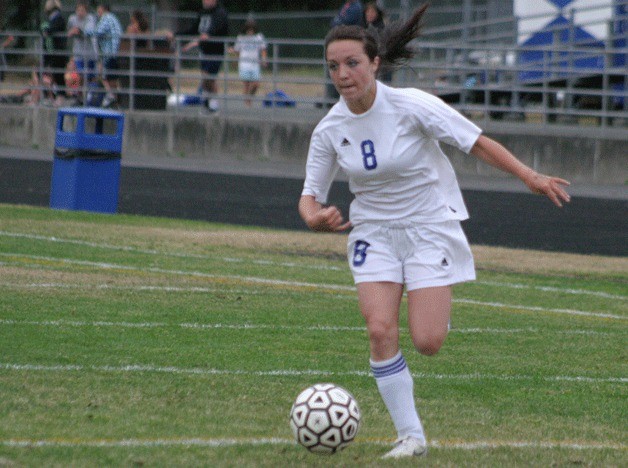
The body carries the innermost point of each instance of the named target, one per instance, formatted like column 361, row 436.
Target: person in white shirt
column 81, row 26
column 407, row 208
column 250, row 47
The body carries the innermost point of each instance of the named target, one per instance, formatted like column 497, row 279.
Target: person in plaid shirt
column 108, row 32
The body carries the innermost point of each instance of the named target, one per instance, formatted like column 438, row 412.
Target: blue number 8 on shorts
column 359, row 252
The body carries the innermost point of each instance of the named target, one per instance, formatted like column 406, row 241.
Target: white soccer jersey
column 396, row 168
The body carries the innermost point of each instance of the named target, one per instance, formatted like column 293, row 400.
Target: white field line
column 197, row 274
column 554, row 289
column 147, row 288
column 169, row 289
column 231, row 442
column 251, row 326
column 168, row 253
column 501, row 305
column 290, row 264
column 299, row 284
column 190, row 326
column 298, row 373
column 198, row 289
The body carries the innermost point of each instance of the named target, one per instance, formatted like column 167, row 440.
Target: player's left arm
column 493, row 153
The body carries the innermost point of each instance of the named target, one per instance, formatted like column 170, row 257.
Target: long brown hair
column 142, row 21
column 390, row 44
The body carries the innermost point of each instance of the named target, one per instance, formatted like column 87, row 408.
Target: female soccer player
column 407, row 208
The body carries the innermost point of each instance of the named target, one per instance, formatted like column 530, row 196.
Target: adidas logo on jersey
column 444, row 262
column 345, row 142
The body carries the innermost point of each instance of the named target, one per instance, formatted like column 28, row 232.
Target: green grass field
column 131, row 341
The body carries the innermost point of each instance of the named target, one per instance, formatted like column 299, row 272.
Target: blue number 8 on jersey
column 368, row 155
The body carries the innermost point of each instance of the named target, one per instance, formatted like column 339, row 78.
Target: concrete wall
column 599, row 157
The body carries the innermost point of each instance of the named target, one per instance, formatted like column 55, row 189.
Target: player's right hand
column 329, row 219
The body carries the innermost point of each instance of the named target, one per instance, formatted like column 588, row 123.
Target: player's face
column 353, row 73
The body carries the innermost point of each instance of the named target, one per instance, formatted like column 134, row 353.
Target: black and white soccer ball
column 325, row 418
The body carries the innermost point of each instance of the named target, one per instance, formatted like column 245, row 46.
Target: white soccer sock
column 396, row 387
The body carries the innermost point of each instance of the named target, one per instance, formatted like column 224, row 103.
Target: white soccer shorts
column 420, row 256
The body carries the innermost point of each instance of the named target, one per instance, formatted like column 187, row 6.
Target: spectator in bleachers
column 212, row 22
column 351, row 13
column 33, row 92
column 108, row 32
column 81, row 26
column 53, row 31
column 6, row 42
column 38, row 89
column 250, row 47
column 374, row 17
column 73, row 82
column 138, row 25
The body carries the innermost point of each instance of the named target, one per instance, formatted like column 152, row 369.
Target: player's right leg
column 379, row 303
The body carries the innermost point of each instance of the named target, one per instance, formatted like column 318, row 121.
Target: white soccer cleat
column 408, row 447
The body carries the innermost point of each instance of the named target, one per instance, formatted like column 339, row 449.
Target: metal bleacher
column 566, row 65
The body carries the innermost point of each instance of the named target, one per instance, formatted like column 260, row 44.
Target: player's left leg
column 440, row 257
column 428, row 317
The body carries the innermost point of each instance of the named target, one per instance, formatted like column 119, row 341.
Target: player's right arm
column 321, row 218
column 320, row 170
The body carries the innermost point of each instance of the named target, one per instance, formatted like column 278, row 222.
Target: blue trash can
column 86, row 168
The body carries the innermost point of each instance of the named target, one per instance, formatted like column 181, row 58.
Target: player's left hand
column 552, row 187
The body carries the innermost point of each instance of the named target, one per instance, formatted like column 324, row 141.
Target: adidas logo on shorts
column 444, row 262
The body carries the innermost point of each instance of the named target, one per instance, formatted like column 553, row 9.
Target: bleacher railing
column 576, row 83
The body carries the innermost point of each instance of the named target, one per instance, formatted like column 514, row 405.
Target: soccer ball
column 325, row 418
